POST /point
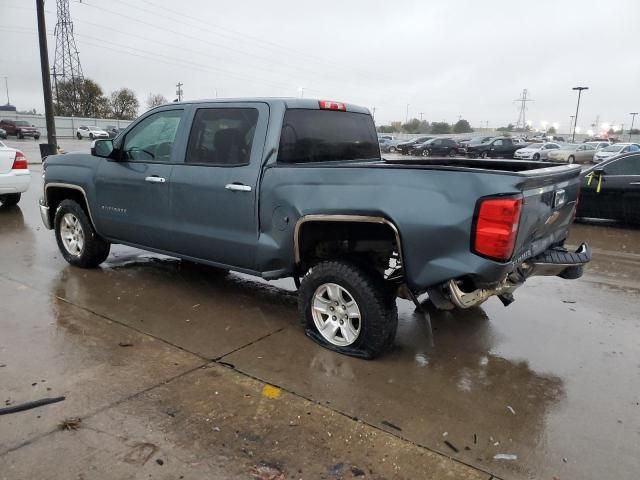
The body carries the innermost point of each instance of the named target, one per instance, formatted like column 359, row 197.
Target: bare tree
column 155, row 100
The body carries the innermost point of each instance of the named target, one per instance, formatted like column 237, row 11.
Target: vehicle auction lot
column 167, row 363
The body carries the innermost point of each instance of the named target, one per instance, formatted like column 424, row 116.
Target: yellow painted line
column 270, row 391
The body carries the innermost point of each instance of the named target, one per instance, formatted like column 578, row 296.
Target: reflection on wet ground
column 552, row 379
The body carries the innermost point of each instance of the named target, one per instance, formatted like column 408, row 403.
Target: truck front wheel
column 78, row 242
column 346, row 309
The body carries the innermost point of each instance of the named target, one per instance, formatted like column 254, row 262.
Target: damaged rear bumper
column 552, row 262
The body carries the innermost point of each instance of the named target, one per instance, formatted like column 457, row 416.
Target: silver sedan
column 536, row 151
column 573, row 153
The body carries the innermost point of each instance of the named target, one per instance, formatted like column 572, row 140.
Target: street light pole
column 571, row 117
column 46, row 80
column 633, row 118
column 579, row 89
column 406, row 118
column 6, row 85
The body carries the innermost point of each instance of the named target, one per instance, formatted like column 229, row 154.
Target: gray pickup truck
column 297, row 188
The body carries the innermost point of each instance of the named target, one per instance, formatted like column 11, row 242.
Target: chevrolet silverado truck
column 501, row 147
column 297, row 188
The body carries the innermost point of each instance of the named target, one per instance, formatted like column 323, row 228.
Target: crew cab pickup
column 297, row 188
column 19, row 128
column 503, row 147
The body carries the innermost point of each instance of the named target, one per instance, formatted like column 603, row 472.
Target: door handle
column 155, row 179
column 237, row 187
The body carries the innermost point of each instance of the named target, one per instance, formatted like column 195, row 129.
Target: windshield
column 22, row 123
column 535, row 146
column 327, row 135
column 613, row 148
column 478, row 141
column 570, row 146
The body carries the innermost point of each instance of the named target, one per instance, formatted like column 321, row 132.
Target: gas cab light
column 496, row 228
column 20, row 162
column 329, row 105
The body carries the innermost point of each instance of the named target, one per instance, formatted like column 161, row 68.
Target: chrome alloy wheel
column 336, row 314
column 72, row 234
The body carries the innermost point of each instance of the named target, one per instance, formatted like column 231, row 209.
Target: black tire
column 37, row 137
column 426, row 152
column 453, row 152
column 10, row 199
column 379, row 313
column 79, row 136
column 536, row 157
column 572, row 273
column 20, row 135
column 95, row 249
column 91, row 136
column 484, row 155
column 571, row 159
column 393, row 150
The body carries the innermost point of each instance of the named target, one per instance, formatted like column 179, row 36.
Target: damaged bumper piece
column 552, row 262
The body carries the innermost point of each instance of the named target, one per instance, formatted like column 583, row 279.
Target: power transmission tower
column 179, row 91
column 522, row 121
column 66, row 63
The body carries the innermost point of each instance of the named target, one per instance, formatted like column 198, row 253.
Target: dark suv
column 19, row 128
column 438, row 147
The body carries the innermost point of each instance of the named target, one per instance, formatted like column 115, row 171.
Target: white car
column 14, row 175
column 598, row 145
column 91, row 131
column 536, row 151
column 614, row 150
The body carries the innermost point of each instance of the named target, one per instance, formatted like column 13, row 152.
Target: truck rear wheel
column 78, row 242
column 348, row 310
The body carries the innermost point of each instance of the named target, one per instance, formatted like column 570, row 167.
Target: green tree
column 385, row 129
column 440, row 127
column 551, row 130
column 462, row 126
column 634, row 131
column 124, row 104
column 80, row 98
column 508, row 128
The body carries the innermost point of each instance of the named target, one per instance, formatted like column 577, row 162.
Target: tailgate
column 7, row 156
column 547, row 211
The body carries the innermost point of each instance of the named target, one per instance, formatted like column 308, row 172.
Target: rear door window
column 222, row 136
column 625, row 166
column 326, row 135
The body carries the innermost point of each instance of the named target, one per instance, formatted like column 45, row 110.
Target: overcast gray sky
column 445, row 58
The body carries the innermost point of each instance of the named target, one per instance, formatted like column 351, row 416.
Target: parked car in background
column 14, row 175
column 473, row 142
column 90, row 131
column 598, row 144
column 387, row 146
column 3, row 133
column 573, row 153
column 614, row 150
column 501, row 147
column 535, row 151
column 405, row 147
column 611, row 190
column 19, row 128
column 437, row 147
column 112, row 130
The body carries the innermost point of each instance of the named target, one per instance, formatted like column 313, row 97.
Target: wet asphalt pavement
column 176, row 371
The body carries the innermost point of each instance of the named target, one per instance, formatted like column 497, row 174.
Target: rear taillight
column 20, row 162
column 329, row 105
column 496, row 227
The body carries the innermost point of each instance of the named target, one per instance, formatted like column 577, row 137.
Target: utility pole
column 46, row 82
column 579, row 89
column 374, row 113
column 6, row 85
column 421, row 113
column 633, row 118
column 179, row 90
column 571, row 117
column 406, row 118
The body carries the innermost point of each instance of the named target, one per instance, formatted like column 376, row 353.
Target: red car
column 19, row 128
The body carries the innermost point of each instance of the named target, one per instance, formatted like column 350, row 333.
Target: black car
column 437, row 147
column 611, row 190
column 405, row 147
column 112, row 130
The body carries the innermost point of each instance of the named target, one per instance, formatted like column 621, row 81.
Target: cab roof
column 286, row 102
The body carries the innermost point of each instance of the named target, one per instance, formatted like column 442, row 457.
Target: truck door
column 132, row 192
column 621, row 185
column 213, row 191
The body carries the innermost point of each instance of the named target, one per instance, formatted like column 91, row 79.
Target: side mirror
column 598, row 170
column 102, row 148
